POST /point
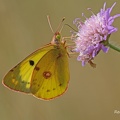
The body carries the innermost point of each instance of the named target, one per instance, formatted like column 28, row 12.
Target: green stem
column 113, row 47
column 106, row 43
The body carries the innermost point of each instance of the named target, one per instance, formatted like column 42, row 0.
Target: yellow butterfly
column 44, row 73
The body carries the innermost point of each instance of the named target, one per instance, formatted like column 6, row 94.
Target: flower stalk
column 113, row 47
column 107, row 43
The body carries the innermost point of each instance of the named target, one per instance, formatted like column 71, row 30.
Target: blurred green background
column 93, row 94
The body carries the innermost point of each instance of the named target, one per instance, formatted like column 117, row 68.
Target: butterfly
column 44, row 73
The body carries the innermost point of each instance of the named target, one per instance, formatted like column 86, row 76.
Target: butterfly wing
column 51, row 77
column 19, row 77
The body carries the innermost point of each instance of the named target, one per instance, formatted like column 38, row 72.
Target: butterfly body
column 44, row 73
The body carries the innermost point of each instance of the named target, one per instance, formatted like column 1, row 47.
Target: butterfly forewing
column 51, row 77
column 19, row 77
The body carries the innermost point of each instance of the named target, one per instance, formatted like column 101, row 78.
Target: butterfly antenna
column 48, row 17
column 60, row 25
column 61, row 28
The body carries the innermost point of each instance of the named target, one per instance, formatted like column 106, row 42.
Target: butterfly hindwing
column 51, row 75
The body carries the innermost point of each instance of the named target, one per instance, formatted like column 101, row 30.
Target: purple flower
column 93, row 34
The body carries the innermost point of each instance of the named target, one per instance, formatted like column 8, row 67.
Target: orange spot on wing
column 15, row 82
column 47, row 74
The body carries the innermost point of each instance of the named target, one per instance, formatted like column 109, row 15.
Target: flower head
column 93, row 34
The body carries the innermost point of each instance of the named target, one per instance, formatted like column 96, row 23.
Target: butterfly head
column 56, row 38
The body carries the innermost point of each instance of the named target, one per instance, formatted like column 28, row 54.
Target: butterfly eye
column 58, row 37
